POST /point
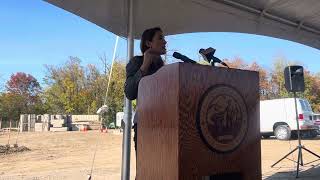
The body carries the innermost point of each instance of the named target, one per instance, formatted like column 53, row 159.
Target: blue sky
column 34, row 33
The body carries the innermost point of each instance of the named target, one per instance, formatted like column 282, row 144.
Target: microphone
column 208, row 55
column 183, row 58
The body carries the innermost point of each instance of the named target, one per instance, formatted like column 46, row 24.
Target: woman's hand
column 148, row 58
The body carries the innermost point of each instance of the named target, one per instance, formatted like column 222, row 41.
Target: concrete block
column 38, row 127
column 62, row 121
column 58, row 123
column 59, row 129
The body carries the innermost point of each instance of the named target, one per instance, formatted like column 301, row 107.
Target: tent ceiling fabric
column 293, row 20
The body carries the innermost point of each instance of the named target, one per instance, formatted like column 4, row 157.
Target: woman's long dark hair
column 148, row 35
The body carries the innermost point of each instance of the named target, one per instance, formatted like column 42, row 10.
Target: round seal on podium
column 222, row 118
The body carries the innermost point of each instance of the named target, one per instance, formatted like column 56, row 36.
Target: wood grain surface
column 170, row 146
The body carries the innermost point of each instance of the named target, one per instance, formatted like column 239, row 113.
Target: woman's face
column 158, row 43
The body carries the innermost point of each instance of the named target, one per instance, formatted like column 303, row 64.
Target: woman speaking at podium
column 152, row 46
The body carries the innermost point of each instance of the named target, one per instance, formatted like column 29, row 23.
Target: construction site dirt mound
column 7, row 149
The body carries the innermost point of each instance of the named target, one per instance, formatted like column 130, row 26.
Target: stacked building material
column 77, row 126
column 42, row 123
column 58, row 129
column 38, row 127
column 46, row 122
column 94, row 125
column 24, row 122
column 58, row 124
column 27, row 122
column 90, row 122
column 85, row 118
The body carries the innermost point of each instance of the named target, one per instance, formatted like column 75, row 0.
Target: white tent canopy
column 293, row 20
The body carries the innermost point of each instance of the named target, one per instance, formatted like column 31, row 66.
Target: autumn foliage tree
column 22, row 95
column 75, row 89
column 272, row 81
column 264, row 82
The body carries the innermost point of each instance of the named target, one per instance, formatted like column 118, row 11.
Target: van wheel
column 282, row 132
column 314, row 133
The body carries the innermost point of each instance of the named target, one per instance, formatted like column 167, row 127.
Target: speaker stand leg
column 285, row 156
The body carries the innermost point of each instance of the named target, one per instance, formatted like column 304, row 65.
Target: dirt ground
column 68, row 155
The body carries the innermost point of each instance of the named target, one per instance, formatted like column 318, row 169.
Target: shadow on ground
column 309, row 171
column 312, row 173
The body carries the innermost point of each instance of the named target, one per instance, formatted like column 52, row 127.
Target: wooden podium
column 199, row 122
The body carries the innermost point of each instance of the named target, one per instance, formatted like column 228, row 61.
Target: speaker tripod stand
column 300, row 147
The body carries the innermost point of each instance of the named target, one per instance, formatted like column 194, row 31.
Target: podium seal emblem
column 222, row 118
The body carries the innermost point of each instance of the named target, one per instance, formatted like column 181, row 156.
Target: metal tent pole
column 126, row 147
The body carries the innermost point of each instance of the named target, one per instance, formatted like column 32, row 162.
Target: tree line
column 72, row 88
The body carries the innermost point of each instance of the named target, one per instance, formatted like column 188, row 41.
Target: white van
column 278, row 117
column 316, row 120
column 119, row 119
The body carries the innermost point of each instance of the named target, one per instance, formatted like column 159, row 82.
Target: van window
column 308, row 105
column 305, row 105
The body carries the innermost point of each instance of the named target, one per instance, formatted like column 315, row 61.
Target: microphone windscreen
column 176, row 55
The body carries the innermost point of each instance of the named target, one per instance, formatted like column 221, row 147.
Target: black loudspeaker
column 294, row 79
